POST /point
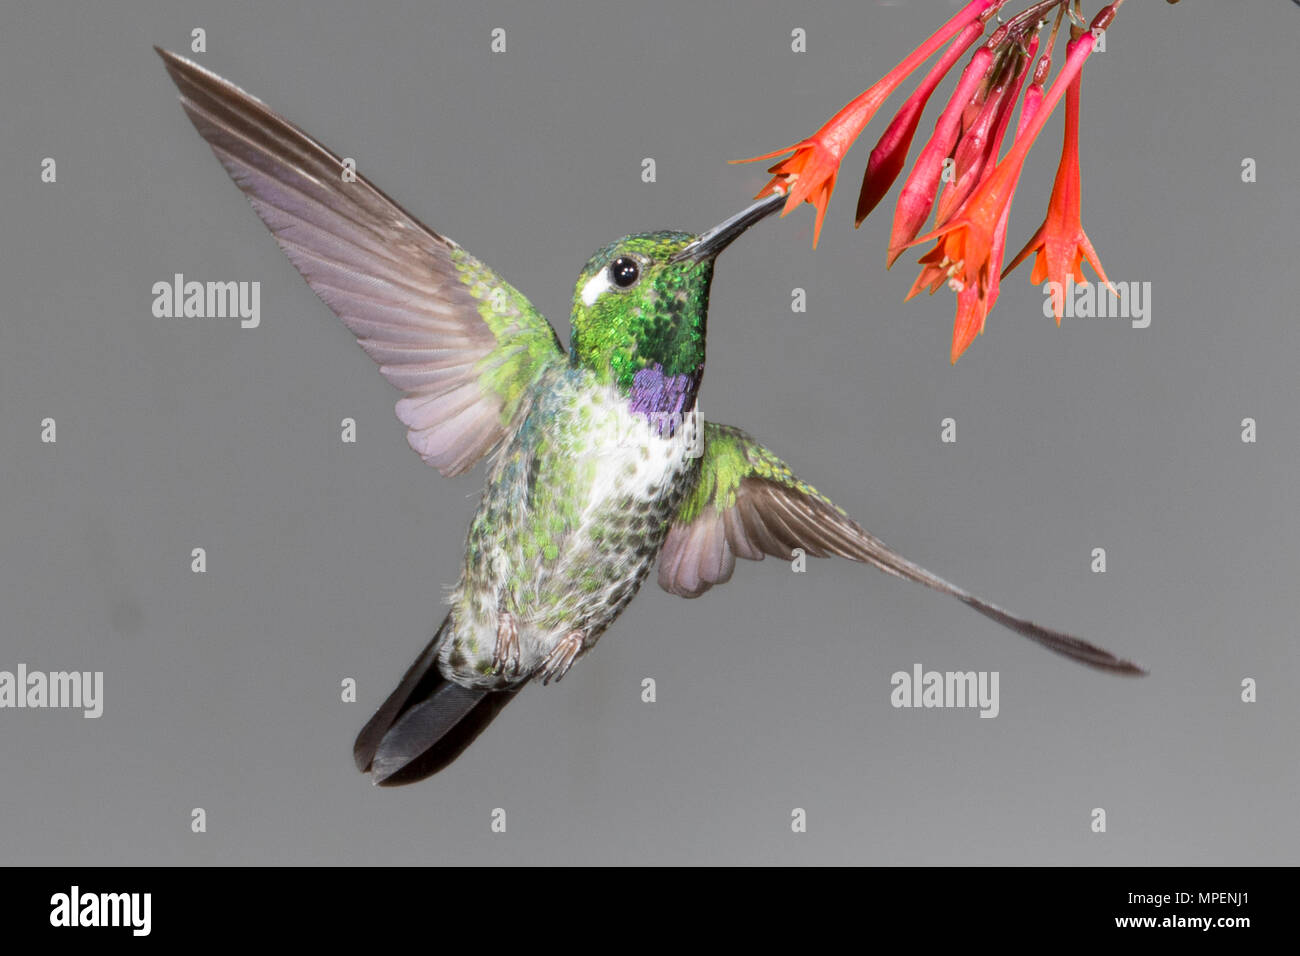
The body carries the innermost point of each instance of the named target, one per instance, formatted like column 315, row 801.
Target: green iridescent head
column 643, row 302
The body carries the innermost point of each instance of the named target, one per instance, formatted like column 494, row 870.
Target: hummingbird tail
column 425, row 724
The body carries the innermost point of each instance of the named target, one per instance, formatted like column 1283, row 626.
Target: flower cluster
column 962, row 175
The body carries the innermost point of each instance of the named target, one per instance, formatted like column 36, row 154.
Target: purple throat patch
column 663, row 399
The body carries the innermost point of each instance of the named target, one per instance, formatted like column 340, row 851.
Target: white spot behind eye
column 595, row 286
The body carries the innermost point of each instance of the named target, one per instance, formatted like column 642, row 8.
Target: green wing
column 747, row 503
column 460, row 342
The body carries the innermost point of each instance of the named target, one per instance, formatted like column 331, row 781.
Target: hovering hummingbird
column 599, row 463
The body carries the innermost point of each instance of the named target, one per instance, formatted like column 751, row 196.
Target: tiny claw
column 561, row 657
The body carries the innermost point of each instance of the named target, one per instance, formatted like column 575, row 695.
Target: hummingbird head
column 640, row 309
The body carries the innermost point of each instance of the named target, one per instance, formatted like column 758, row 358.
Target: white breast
column 638, row 456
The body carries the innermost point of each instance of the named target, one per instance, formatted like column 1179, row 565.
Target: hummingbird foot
column 505, row 656
column 561, row 657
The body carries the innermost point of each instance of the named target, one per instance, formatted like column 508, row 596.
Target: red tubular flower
column 972, row 307
column 978, row 149
column 1033, row 100
column 918, row 192
column 810, row 172
column 890, row 152
column 1060, row 241
column 965, row 245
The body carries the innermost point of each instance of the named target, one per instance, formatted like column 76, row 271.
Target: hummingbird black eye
column 624, row 271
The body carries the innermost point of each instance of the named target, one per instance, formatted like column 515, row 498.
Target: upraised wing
column 445, row 329
column 748, row 503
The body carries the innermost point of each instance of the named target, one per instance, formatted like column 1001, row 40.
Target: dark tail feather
column 425, row 724
column 1067, row 644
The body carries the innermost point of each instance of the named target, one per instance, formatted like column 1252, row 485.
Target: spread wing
column 462, row 344
column 748, row 503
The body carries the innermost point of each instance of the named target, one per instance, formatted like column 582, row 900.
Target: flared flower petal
column 934, row 273
column 972, row 308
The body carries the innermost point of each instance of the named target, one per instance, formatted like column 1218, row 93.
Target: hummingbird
column 599, row 464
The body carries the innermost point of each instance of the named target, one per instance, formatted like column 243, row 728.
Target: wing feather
column 749, row 504
column 440, row 324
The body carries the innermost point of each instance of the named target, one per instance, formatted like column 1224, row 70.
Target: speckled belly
column 576, row 509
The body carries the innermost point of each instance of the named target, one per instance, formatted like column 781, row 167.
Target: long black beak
column 709, row 243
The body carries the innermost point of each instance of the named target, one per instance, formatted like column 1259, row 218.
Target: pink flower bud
column 890, row 153
column 918, row 192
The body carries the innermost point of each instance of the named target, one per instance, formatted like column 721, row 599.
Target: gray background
column 329, row 560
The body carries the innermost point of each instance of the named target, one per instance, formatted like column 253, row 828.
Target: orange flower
column 810, row 173
column 972, row 308
column 966, row 245
column 1060, row 241
column 932, row 274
